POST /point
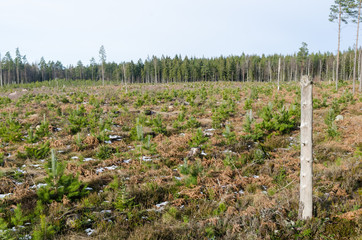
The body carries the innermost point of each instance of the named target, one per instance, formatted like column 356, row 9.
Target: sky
column 73, row 30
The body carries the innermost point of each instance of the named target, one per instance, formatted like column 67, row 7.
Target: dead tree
column 306, row 151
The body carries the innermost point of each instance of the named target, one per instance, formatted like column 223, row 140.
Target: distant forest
column 184, row 69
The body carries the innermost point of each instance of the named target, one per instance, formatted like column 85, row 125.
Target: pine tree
column 341, row 10
column 102, row 58
column 358, row 4
column 92, row 64
column 42, row 66
column 25, row 62
column 302, row 56
column 18, row 62
column 9, row 63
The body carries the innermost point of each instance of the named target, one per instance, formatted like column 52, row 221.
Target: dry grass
column 229, row 191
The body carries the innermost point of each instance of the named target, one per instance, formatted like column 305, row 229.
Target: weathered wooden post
column 306, row 151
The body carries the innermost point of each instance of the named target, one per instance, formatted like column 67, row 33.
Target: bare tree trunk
column 343, row 63
column 247, row 74
column 360, row 74
column 247, row 70
column 334, row 74
column 284, row 71
column 1, row 72
column 103, row 73
column 279, row 73
column 320, row 70
column 259, row 73
column 25, row 74
column 92, row 73
column 124, row 74
column 270, row 72
column 17, row 73
column 308, row 67
column 339, row 42
column 327, row 73
column 148, row 76
column 358, row 64
column 155, row 66
column 10, row 77
column 306, row 156
column 356, row 49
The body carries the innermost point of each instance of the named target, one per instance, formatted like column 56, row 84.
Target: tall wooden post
column 306, row 156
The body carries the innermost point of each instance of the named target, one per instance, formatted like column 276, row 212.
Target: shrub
column 123, row 201
column 254, row 93
column 280, row 178
column 64, row 100
column 222, row 113
column 43, row 230
column 1, row 158
column 42, row 130
column 193, row 123
column 191, row 171
column 158, row 125
column 229, row 135
column 151, row 147
column 317, row 103
column 104, row 152
column 273, row 121
column 139, row 102
column 4, row 100
column 59, row 184
column 329, row 120
column 248, row 104
column 253, row 132
column 37, row 152
column 32, row 138
column 10, row 130
column 347, row 97
column 181, row 116
column 282, row 121
column 137, row 131
column 198, row 138
column 77, row 119
column 18, row 219
column 220, row 209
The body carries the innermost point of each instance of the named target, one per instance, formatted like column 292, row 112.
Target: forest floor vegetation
column 203, row 160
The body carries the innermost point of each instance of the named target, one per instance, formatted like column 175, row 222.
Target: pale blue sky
column 72, row 30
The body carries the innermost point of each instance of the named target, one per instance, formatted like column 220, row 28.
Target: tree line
column 324, row 66
column 184, row 69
